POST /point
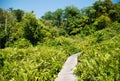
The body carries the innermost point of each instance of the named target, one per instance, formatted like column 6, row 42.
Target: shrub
column 100, row 58
column 31, row 64
column 68, row 45
column 21, row 43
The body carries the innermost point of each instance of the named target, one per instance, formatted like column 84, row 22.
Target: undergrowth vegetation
column 101, row 56
column 69, row 45
column 31, row 64
column 39, row 63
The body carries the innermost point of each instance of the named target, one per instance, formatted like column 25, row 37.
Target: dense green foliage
column 31, row 64
column 15, row 24
column 40, row 63
column 101, row 56
column 34, row 49
column 72, row 20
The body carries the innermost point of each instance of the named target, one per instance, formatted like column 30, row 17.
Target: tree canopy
column 18, row 24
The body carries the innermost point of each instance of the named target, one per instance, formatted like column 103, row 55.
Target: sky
column 41, row 6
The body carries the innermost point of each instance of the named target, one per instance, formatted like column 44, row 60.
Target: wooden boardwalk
column 66, row 73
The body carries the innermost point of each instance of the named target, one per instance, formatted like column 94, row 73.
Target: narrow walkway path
column 66, row 73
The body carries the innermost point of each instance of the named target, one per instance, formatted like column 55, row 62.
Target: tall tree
column 30, row 26
column 58, row 15
column 48, row 15
column 18, row 13
column 7, row 25
column 34, row 30
column 115, row 12
column 100, row 8
column 108, row 4
column 71, row 11
column 2, row 32
column 90, row 12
